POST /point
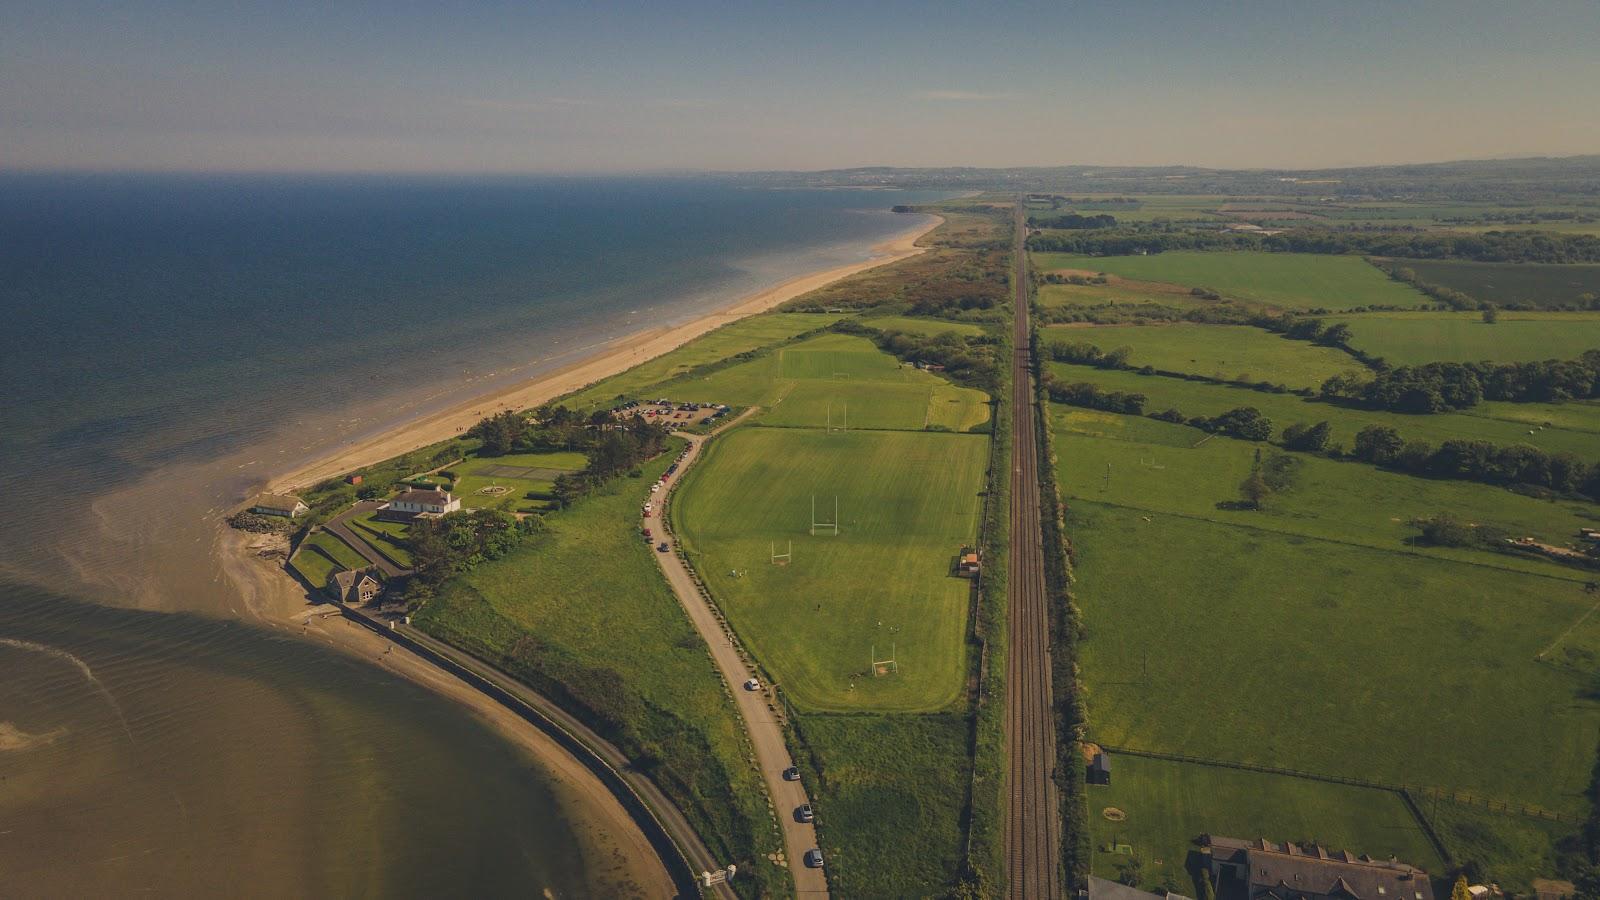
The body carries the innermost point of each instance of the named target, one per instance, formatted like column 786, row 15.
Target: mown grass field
column 1055, row 296
column 1538, row 284
column 1218, row 351
column 614, row 637
column 322, row 554
column 796, row 385
column 1290, row 280
column 1413, row 338
column 907, row 502
column 1579, row 432
column 1168, row 804
column 388, row 538
column 889, row 795
column 726, row 342
column 479, row 479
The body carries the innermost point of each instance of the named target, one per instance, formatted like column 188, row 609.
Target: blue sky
column 547, row 87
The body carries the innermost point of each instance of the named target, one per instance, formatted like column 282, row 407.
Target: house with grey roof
column 417, row 503
column 354, row 586
column 1260, row 869
column 286, row 505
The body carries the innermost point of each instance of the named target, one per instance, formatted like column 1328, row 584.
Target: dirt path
column 755, row 707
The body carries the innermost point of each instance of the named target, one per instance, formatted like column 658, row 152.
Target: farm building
column 286, row 505
column 968, row 563
column 1259, row 868
column 1099, row 769
column 358, row 586
column 419, row 504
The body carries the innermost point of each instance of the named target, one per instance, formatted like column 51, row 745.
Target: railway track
column 1033, row 825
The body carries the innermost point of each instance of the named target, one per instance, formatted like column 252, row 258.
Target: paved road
column 1033, row 827
column 337, row 526
column 766, row 734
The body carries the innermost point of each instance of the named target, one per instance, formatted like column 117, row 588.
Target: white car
column 752, row 685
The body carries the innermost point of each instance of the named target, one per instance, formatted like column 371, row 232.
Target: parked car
column 646, row 534
column 804, row 813
column 813, row 858
column 791, row 774
column 662, row 547
column 752, row 685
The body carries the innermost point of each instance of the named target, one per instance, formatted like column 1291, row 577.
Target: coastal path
column 757, row 708
column 664, row 825
column 1033, row 825
column 337, row 527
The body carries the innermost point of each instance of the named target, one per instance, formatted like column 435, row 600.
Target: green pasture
column 1218, row 351
column 1054, row 296
column 921, row 325
column 907, row 503
column 1168, row 804
column 1348, row 502
column 1413, row 338
column 1575, row 428
column 728, row 341
column 1538, row 284
column 889, row 800
column 614, row 637
column 797, row 385
column 1245, row 644
column 1292, row 280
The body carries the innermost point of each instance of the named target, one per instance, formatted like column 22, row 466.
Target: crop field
column 881, row 587
column 1167, row 804
column 503, row 482
column 1218, row 351
column 1119, row 291
column 889, row 798
column 1503, row 284
column 1574, row 426
column 1413, row 338
column 1240, row 644
column 728, row 341
column 617, row 640
column 1348, row 502
column 798, row 385
column 1290, row 280
column 922, row 325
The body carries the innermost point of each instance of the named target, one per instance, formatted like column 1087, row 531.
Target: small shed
column 968, row 563
column 353, row 479
column 1100, row 769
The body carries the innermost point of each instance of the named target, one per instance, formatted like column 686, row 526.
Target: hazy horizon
column 697, row 87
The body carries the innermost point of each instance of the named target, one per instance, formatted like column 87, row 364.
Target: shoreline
column 617, row 356
column 254, row 563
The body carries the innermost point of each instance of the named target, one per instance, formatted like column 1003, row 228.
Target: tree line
column 1493, row 246
column 1073, row 222
column 610, row 444
column 1446, row 386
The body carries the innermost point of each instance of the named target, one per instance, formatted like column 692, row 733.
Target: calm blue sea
column 166, row 342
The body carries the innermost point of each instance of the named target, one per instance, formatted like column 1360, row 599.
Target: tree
column 1336, row 335
column 1307, row 438
column 1490, row 314
column 1245, row 422
column 1378, row 444
column 1254, row 489
column 1460, row 892
column 1131, row 873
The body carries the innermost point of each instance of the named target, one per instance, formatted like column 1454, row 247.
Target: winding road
column 757, row 708
column 1033, row 825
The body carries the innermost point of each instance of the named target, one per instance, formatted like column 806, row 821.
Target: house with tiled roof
column 1260, row 869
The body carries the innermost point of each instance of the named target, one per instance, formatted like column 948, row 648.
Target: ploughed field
column 1288, row 280
column 1535, row 284
column 1316, row 634
column 883, row 587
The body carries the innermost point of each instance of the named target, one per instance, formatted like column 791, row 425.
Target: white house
column 420, row 504
column 286, row 505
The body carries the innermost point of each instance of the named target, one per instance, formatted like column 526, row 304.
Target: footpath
column 758, row 708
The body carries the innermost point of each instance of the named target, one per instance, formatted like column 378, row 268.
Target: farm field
column 1118, row 291
column 1426, row 664
column 921, row 325
column 1290, row 280
column 503, row 482
column 889, row 795
column 907, row 503
column 726, row 342
column 1169, row 803
column 1413, row 338
column 796, row 384
column 1504, row 284
column 1218, row 351
column 1348, row 502
column 612, row 639
column 1577, row 422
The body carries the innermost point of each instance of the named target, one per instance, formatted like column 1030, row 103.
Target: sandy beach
column 618, row 357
